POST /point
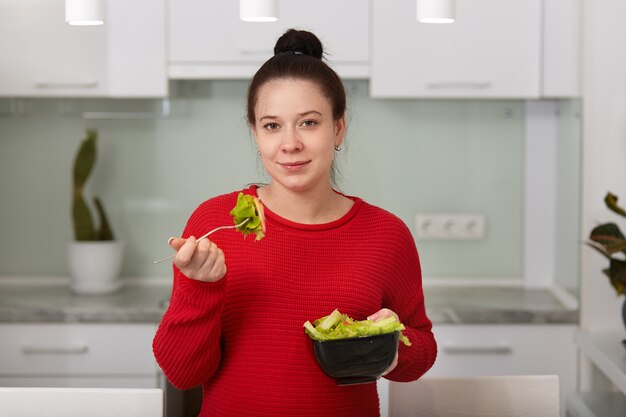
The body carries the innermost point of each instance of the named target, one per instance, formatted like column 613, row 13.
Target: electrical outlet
column 438, row 226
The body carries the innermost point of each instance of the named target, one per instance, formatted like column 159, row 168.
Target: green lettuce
column 340, row 326
column 250, row 210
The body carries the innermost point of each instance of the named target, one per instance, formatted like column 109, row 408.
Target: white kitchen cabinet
column 529, row 349
column 78, row 355
column 561, row 52
column 607, row 358
column 42, row 56
column 493, row 50
column 208, row 40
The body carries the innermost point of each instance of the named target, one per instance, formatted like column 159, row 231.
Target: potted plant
column 95, row 256
column 608, row 239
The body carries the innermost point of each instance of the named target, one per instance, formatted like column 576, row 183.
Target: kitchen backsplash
column 408, row 156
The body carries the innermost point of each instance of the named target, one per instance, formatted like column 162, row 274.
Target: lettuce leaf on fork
column 249, row 208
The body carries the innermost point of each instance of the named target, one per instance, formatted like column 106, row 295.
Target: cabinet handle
column 474, row 85
column 478, row 350
column 78, row 349
column 62, row 84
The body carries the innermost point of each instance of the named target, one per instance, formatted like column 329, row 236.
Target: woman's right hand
column 202, row 261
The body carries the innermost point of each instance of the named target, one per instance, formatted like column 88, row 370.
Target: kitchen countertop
column 499, row 305
column 137, row 303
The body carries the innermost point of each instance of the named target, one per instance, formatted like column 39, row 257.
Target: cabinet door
column 77, row 350
column 208, row 40
column 484, row 350
column 561, row 48
column 135, row 54
column 43, row 56
column 492, row 50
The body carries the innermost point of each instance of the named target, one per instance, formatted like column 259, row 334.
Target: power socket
column 437, row 226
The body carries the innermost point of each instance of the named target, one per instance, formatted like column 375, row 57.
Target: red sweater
column 242, row 337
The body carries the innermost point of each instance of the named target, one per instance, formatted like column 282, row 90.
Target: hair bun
column 299, row 41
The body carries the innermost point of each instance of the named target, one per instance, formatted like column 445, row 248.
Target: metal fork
column 204, row 237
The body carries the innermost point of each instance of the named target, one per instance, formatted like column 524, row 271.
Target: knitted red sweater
column 242, row 337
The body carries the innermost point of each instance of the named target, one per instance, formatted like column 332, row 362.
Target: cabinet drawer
column 503, row 350
column 82, row 382
column 76, row 349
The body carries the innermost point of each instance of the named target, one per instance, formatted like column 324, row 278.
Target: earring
column 258, row 152
column 337, row 148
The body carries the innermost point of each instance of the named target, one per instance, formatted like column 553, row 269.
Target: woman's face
column 296, row 133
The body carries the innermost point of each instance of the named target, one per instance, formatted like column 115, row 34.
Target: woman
column 234, row 324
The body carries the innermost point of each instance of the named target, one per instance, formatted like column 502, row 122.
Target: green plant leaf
column 104, row 232
column 85, row 159
column 83, row 225
column 617, row 275
column 610, row 237
column 611, row 202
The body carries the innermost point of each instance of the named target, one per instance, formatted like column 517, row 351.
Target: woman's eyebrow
column 306, row 113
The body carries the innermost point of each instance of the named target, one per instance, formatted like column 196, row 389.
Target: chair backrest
column 81, row 402
column 489, row 396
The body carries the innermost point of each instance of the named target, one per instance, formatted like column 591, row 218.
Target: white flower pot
column 95, row 266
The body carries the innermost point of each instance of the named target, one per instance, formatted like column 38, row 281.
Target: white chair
column 489, row 396
column 81, row 402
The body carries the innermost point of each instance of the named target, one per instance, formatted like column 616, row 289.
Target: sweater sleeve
column 187, row 342
column 406, row 298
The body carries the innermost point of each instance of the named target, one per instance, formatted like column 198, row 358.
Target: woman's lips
column 294, row 166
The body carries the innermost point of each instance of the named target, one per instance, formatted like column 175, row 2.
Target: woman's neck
column 308, row 207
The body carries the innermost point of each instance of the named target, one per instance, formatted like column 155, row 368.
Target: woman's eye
column 271, row 126
column 309, row 123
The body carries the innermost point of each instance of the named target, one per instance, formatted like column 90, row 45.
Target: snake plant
column 84, row 226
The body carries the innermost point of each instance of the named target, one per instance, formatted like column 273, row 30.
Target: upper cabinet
column 562, row 29
column 496, row 49
column 493, row 50
column 208, row 40
column 43, row 56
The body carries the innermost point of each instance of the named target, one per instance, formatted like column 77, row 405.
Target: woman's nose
column 291, row 141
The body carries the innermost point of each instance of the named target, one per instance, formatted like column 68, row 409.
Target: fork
column 204, row 237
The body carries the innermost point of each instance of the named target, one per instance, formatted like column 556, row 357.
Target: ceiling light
column 435, row 11
column 258, row 10
column 84, row 12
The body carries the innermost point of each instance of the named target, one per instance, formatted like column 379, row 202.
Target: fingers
column 176, row 242
column 185, row 252
column 201, row 260
column 379, row 315
column 382, row 313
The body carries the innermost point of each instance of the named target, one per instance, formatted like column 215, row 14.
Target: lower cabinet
column 78, row 355
column 482, row 350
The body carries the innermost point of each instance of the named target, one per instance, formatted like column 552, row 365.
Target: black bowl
column 357, row 360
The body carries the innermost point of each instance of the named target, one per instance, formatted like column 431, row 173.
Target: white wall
column 604, row 149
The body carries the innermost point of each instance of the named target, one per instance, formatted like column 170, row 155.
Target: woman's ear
column 340, row 130
column 254, row 136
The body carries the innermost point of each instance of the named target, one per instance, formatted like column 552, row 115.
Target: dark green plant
column 84, row 227
column 608, row 239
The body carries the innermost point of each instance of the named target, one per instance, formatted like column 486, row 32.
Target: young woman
column 235, row 320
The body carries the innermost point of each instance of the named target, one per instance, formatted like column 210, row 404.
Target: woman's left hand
column 381, row 314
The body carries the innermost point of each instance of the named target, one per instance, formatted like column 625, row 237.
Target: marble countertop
column 55, row 303
column 58, row 304
column 499, row 305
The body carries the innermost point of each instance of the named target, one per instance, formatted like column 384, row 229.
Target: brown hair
column 298, row 54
